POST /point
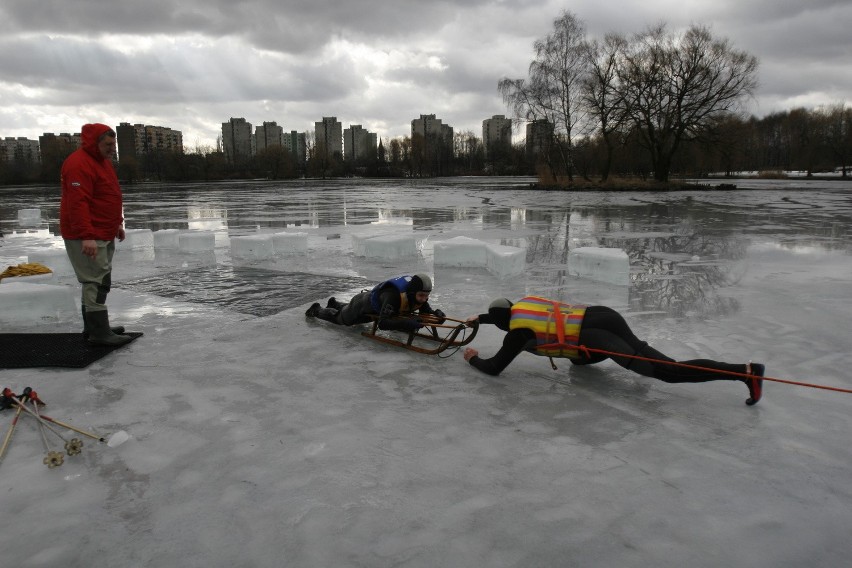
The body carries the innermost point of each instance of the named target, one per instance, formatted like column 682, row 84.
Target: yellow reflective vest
column 556, row 325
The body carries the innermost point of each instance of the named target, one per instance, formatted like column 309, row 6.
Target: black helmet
column 500, row 311
column 419, row 283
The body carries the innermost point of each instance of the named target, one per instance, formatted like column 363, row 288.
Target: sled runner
column 445, row 335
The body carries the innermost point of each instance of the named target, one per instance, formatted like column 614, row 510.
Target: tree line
column 653, row 105
column 660, row 103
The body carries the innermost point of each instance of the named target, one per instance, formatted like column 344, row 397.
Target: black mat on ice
column 253, row 291
column 26, row 350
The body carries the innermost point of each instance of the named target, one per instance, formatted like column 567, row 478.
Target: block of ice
column 610, row 265
column 505, row 261
column 290, row 243
column 22, row 302
column 472, row 253
column 55, row 259
column 254, row 247
column 195, row 241
column 29, row 216
column 135, row 238
column 460, row 252
column 385, row 247
column 167, row 239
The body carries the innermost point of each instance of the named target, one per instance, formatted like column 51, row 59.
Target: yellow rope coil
column 25, row 269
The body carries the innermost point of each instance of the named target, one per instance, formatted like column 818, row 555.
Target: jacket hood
column 89, row 136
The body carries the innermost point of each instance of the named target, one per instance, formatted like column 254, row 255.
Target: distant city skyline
column 191, row 64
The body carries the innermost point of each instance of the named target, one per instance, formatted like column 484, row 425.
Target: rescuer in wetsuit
column 531, row 326
column 401, row 295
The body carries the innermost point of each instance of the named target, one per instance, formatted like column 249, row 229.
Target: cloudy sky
column 192, row 65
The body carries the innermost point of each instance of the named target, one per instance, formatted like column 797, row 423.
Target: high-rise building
column 295, row 144
column 428, row 127
column 496, row 135
column 539, row 137
column 138, row 140
column 328, row 134
column 270, row 134
column 56, row 147
column 359, row 144
column 237, row 141
column 21, row 150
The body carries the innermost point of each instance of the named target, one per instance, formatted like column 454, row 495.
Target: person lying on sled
column 531, row 326
column 400, row 295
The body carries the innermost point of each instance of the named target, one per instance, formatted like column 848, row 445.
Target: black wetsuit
column 359, row 309
column 604, row 328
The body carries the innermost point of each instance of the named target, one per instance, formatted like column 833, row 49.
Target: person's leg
column 606, row 329
column 353, row 312
column 95, row 276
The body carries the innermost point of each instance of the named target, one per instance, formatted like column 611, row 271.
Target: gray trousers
column 95, row 274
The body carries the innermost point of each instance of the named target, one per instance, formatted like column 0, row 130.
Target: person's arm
column 78, row 191
column 390, row 309
column 514, row 342
column 428, row 310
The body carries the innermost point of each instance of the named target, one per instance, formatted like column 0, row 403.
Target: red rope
column 586, row 350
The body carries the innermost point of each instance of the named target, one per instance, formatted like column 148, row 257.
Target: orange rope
column 586, row 350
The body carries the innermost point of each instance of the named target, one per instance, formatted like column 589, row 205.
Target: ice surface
column 602, row 264
column 168, row 239
column 136, row 239
column 387, row 247
column 270, row 440
column 465, row 252
column 254, row 247
column 197, row 241
column 30, row 233
column 289, row 243
column 33, row 303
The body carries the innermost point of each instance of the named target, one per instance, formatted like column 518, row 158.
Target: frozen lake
column 258, row 438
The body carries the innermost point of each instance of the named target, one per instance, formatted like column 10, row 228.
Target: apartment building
column 359, row 143
column 138, row 140
column 21, row 150
column 237, row 140
column 268, row 135
column 296, row 144
column 430, row 127
column 328, row 134
column 538, row 137
column 497, row 135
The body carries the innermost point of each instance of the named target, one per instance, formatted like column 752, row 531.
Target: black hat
column 500, row 312
column 419, row 283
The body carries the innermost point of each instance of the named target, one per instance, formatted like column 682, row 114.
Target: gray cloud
column 193, row 64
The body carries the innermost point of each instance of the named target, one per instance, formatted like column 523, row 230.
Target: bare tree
column 553, row 90
column 674, row 87
column 601, row 94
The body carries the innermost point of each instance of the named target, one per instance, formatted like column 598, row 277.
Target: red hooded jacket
column 91, row 204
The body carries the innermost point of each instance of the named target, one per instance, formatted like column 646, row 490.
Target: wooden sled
column 432, row 332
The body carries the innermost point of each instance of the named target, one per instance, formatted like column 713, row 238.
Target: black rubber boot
column 99, row 331
column 328, row 314
column 117, row 330
column 312, row 311
column 333, row 303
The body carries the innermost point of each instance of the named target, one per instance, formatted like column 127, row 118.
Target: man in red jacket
column 90, row 218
